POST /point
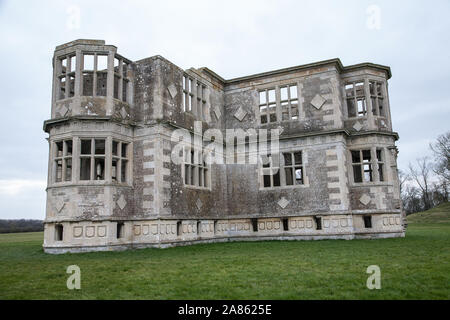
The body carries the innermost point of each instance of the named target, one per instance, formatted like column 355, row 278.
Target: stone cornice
column 336, row 62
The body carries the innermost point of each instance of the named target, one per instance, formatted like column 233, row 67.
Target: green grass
column 438, row 214
column 415, row 267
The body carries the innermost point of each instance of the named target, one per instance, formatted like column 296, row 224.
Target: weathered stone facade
column 113, row 185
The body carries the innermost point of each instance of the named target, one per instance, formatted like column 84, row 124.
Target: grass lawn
column 415, row 267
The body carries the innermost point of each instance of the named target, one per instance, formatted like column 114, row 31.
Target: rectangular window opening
column 254, row 224
column 88, row 62
column 120, row 230
column 123, row 170
column 99, row 168
column 290, row 170
column 318, row 221
column 85, row 168
column 285, row 224
column 179, row 228
column 102, row 63
column 367, row 221
column 59, row 231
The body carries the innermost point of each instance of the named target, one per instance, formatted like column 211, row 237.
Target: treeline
column 22, row 225
column 426, row 182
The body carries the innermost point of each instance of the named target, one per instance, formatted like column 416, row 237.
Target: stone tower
column 113, row 182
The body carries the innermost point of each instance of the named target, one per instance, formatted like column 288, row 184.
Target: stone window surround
column 77, row 73
column 352, row 94
column 192, row 98
column 278, row 109
column 206, row 168
column 374, row 163
column 369, row 114
column 66, row 75
column 76, row 150
column 376, row 97
column 64, row 159
column 282, row 172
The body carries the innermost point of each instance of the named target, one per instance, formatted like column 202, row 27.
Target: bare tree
column 441, row 150
column 421, row 176
column 402, row 178
column 411, row 198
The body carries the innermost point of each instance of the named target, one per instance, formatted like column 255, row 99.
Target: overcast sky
column 233, row 38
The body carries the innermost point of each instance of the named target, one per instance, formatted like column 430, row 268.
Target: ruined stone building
column 112, row 183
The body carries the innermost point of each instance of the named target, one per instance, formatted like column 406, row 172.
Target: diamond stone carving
column 123, row 112
column 63, row 111
column 318, row 101
column 365, row 199
column 240, row 114
column 217, row 112
column 172, row 90
column 199, row 204
column 121, row 202
column 283, row 202
column 357, row 126
column 60, row 205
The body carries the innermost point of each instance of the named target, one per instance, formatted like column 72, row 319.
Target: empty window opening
column 287, row 106
column 100, row 169
column 85, row 160
column 120, row 230
column 362, row 166
column 88, row 84
column 380, row 162
column 293, row 168
column 62, row 87
column 362, row 110
column 377, row 98
column 59, row 232
column 102, row 63
column 367, row 165
column 215, row 226
column 356, row 99
column 199, row 227
column 85, row 168
column 285, row 224
column 194, row 97
column 71, row 86
column 65, row 73
column 255, row 224
column 267, row 106
column 121, row 79
column 367, row 221
column 318, row 221
column 62, row 160
column 102, row 78
column 119, row 164
column 92, row 159
column 196, row 171
column 289, row 102
column 179, row 228
column 88, row 62
column 287, row 170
